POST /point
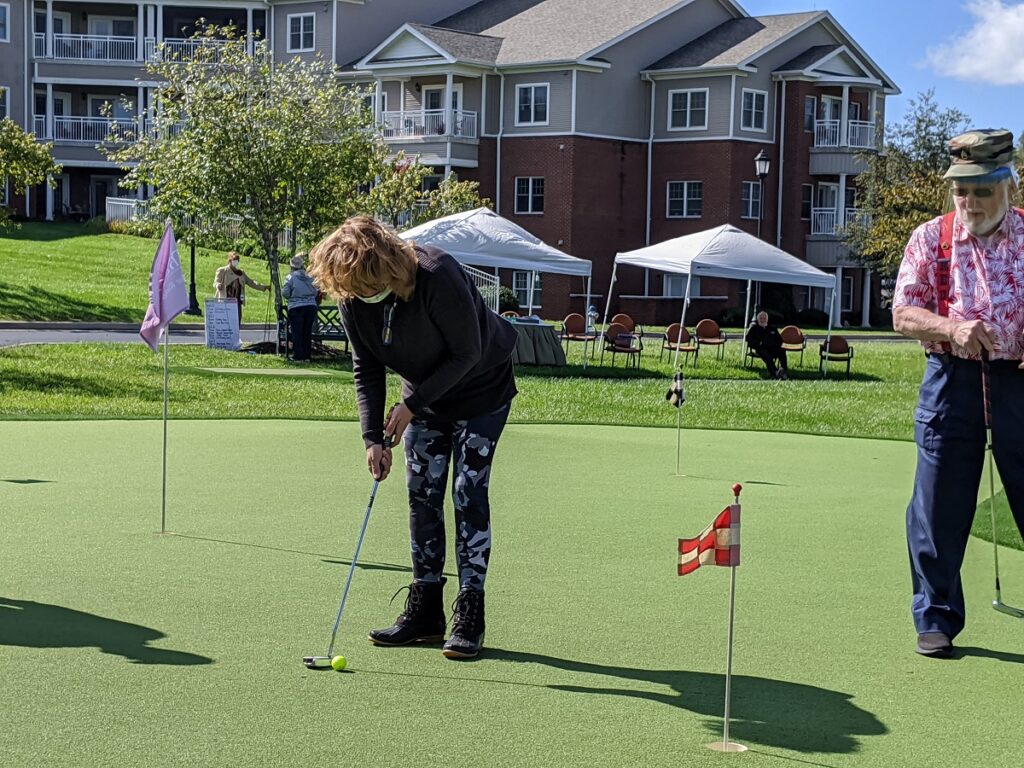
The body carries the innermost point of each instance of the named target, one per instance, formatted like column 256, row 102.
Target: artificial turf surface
column 121, row 647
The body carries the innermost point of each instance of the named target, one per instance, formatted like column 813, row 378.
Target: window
column 854, row 110
column 751, row 200
column 521, row 286
column 754, row 118
column 431, row 182
column 5, row 23
column 685, row 199
column 532, row 104
column 111, row 26
column 5, row 101
column 810, row 110
column 674, row 286
column 688, row 110
column 529, row 194
column 806, row 200
column 300, row 32
column 847, row 290
column 371, row 98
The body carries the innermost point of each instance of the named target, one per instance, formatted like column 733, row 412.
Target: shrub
column 731, row 317
column 507, row 300
column 812, row 318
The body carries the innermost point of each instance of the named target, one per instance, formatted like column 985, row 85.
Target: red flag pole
column 725, row 745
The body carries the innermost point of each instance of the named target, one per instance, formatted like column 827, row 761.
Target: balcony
column 825, row 221
column 860, row 134
column 105, row 48
column 428, row 124
column 81, row 130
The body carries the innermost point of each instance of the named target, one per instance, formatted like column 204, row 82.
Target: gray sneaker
column 935, row 644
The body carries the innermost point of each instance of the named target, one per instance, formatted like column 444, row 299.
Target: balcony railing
column 87, row 47
column 431, row 122
column 184, row 48
column 825, row 221
column 860, row 134
column 81, row 130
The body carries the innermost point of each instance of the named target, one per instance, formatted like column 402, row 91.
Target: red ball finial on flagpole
column 736, row 488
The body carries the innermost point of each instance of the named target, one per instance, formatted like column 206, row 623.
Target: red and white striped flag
column 718, row 544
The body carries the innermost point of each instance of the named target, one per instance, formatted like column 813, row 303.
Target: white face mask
column 234, row 263
column 377, row 297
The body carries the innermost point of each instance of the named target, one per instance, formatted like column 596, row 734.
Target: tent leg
column 828, row 334
column 608, row 304
column 746, row 322
column 530, row 310
column 586, row 323
column 682, row 321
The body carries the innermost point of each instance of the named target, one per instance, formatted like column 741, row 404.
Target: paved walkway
column 12, row 337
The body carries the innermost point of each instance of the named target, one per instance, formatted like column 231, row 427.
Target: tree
column 24, row 162
column 903, row 186
column 233, row 133
column 453, row 196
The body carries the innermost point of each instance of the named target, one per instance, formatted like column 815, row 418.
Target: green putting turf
column 120, row 647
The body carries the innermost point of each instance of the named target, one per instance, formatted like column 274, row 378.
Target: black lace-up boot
column 467, row 626
column 422, row 621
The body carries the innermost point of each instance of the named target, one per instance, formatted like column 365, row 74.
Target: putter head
column 1009, row 610
column 317, row 662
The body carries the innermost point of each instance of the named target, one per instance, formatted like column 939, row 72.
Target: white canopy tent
column 728, row 252
column 482, row 238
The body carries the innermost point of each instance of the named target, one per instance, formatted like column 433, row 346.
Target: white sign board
column 222, row 330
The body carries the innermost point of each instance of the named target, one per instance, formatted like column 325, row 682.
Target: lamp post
column 193, row 302
column 762, row 164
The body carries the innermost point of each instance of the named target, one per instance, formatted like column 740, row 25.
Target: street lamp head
column 762, row 163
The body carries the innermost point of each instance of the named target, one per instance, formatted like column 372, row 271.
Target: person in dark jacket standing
column 766, row 342
column 414, row 310
column 301, row 292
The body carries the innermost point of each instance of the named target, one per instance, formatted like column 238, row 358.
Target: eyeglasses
column 976, row 191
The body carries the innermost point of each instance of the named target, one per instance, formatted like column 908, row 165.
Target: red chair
column 838, row 351
column 678, row 339
column 619, row 341
column 710, row 335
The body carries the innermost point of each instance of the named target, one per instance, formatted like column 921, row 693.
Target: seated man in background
column 766, row 342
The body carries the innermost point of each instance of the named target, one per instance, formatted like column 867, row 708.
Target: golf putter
column 998, row 603
column 324, row 662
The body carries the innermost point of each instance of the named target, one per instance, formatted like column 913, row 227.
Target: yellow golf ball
column 338, row 663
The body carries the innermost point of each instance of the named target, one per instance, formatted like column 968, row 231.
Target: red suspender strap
column 942, row 269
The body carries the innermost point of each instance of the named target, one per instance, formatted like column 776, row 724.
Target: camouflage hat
column 979, row 153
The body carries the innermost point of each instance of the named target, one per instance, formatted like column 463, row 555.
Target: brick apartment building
column 598, row 125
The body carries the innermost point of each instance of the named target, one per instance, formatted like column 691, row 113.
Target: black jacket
column 453, row 353
column 765, row 339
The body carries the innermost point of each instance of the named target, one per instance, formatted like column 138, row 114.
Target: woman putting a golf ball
column 414, row 310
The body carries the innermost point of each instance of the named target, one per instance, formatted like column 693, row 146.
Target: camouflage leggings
column 430, row 445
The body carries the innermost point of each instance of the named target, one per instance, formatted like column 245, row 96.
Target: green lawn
column 60, row 272
column 120, row 647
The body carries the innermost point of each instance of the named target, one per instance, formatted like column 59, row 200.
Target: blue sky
column 970, row 51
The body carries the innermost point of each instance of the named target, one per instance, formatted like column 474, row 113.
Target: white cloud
column 991, row 51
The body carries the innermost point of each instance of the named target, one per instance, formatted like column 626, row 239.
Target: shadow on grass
column 50, row 383
column 20, row 302
column 27, row 624
column 986, row 653
column 47, row 232
column 717, row 373
column 771, row 713
column 23, row 481
column 329, row 559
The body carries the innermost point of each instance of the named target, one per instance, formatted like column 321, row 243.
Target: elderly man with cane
column 960, row 291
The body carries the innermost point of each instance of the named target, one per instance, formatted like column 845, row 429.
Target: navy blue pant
column 949, row 430
column 301, row 321
column 430, row 446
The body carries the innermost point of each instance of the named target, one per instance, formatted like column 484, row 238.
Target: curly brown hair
column 362, row 258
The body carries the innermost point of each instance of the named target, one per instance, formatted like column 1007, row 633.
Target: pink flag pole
column 734, row 523
column 168, row 298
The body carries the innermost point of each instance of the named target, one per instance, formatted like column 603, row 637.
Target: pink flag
column 168, row 296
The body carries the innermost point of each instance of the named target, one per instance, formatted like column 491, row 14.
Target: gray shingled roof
column 733, row 42
column 807, row 58
column 464, row 46
column 553, row 30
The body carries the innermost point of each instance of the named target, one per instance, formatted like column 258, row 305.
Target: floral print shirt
column 986, row 280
